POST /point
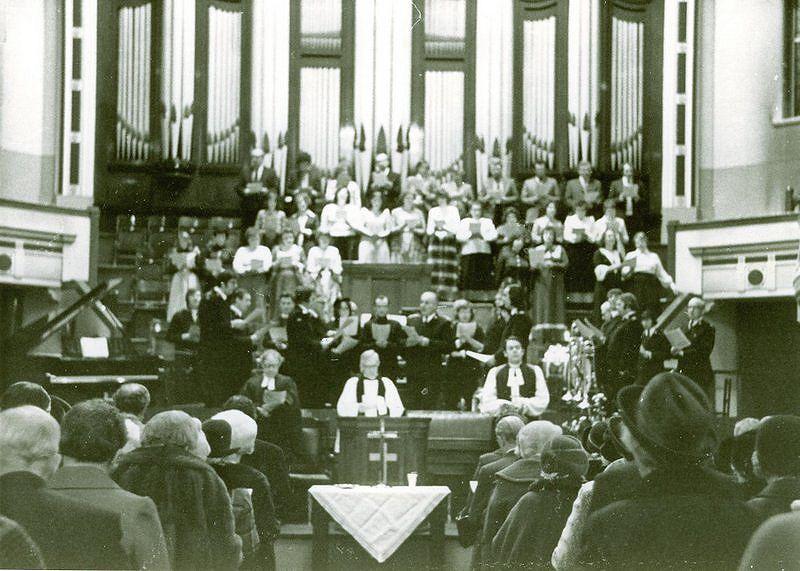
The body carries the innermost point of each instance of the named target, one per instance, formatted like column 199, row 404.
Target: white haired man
column 369, row 394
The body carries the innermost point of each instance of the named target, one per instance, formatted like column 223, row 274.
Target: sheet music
column 94, row 347
column 677, row 338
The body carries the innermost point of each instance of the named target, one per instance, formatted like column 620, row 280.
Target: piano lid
column 35, row 333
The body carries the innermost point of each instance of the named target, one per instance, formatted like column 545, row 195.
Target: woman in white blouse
column 336, row 219
column 610, row 221
column 287, row 276
column 374, row 225
column 343, row 180
column 579, row 241
column 646, row 275
column 251, row 263
column 443, row 222
column 408, row 232
column 548, row 220
column 607, row 263
column 475, row 233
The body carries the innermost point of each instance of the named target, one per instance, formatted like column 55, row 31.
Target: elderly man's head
column 428, row 302
column 92, row 431
column 506, row 430
column 29, row 441
column 696, row 308
column 177, row 429
column 132, row 398
column 534, row 436
column 270, row 362
column 369, row 364
column 24, row 393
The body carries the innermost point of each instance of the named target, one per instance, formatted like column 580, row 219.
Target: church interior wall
column 746, row 158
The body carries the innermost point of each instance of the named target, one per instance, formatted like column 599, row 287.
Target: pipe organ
column 224, row 81
column 319, row 114
column 538, row 92
column 583, row 80
column 627, row 40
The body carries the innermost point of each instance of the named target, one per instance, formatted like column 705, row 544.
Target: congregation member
column 407, row 243
column 694, row 361
column 654, row 349
column 531, row 532
column 607, row 262
column 192, row 501
column 549, row 262
column 255, row 180
column 386, row 181
column 545, row 221
column 515, row 386
column 539, row 190
column 304, row 222
column 374, row 224
column 17, row 549
column 777, row 460
column 92, row 433
column 738, row 456
column 513, row 482
column 498, row 190
column 579, row 241
column 287, row 274
column 336, row 219
column 184, row 327
column 324, row 268
column 231, row 435
column 304, row 358
column 132, row 400
column 646, row 274
column 270, row 221
column 24, row 393
column 442, row 227
column 610, row 221
column 384, row 336
column 342, row 179
column 774, row 545
column 277, row 403
column 369, row 394
column 585, row 188
column 69, row 534
column 459, row 192
column 463, row 372
column 428, row 340
column 622, row 347
column 476, row 234
column 669, row 429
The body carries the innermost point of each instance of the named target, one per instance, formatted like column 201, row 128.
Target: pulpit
column 378, row 450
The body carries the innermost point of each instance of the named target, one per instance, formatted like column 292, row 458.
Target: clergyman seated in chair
column 369, row 394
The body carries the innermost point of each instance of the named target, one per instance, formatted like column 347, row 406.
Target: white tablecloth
column 380, row 518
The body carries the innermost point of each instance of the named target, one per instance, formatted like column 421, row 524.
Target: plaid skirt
column 443, row 257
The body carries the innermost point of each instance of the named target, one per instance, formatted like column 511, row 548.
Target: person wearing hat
column 694, row 361
column 622, row 347
column 585, row 188
column 231, row 434
column 777, row 460
column 682, row 514
column 254, row 181
column 513, row 482
column 654, row 349
column 386, row 181
column 532, row 529
column 498, row 190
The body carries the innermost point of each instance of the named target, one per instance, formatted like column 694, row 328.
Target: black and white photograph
column 400, row 284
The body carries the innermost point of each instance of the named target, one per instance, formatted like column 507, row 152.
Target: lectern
column 371, row 447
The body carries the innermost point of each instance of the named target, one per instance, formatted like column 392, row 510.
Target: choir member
column 303, row 222
column 462, row 371
column 374, row 225
column 183, row 258
column 336, row 219
column 408, row 233
column 476, row 234
column 424, row 185
column 324, row 267
column 384, row 336
column 548, row 220
column 252, row 263
column 343, row 180
column 513, row 264
column 497, row 324
column 607, row 262
column 443, row 222
column 625, row 192
column 270, row 221
column 304, row 359
column 548, row 263
column 341, row 342
column 215, row 257
column 515, row 386
column 385, row 180
column 579, row 242
column 510, row 229
column 518, row 324
column 646, row 275
column 428, row 340
column 288, row 260
column 539, row 190
column 459, row 192
column 255, row 180
column 610, row 221
column 695, row 360
column 306, row 177
column 369, row 393
column 498, row 190
column 653, row 351
column 184, row 328
column 585, row 188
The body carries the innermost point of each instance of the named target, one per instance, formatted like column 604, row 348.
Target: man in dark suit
column 307, row 178
column 255, row 180
column 92, row 433
column 304, row 358
column 277, row 404
column 695, row 360
column 653, row 351
column 585, row 188
column 69, row 533
column 623, row 346
column 224, row 354
column 424, row 355
column 384, row 336
column 385, row 181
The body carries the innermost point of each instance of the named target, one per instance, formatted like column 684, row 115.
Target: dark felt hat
column 778, row 445
column 599, row 439
column 565, row 456
column 218, row 434
column 670, row 418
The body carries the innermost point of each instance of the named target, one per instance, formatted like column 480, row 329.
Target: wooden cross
column 384, row 457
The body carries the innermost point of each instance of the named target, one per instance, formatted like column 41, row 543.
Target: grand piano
column 82, row 351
